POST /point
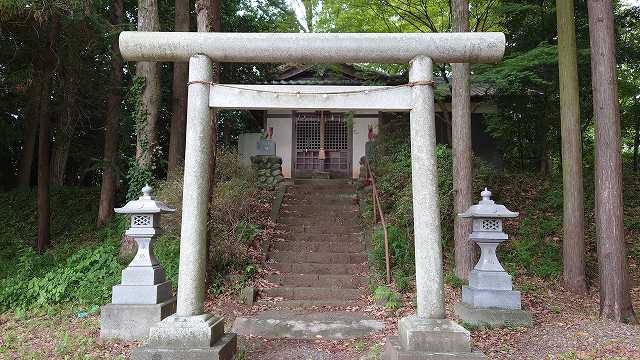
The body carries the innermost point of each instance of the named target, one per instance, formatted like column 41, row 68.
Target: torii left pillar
column 191, row 333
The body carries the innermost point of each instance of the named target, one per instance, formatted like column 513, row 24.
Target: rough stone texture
column 269, row 171
column 488, row 298
column 132, row 322
column 289, row 324
column 424, row 183
column 314, row 48
column 193, row 244
column 492, row 317
column 248, row 295
column 393, row 351
column 223, row 349
column 199, row 331
column 433, row 335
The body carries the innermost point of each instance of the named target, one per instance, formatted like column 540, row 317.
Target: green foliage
column 453, row 281
column 137, row 177
column 85, row 277
column 167, row 251
column 388, row 297
column 402, row 280
column 400, row 250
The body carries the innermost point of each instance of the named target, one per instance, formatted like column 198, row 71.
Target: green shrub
column 167, row 251
column 400, row 250
column 85, row 277
column 388, row 297
column 230, row 223
column 402, row 281
column 452, row 280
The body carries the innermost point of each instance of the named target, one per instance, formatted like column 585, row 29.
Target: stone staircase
column 323, row 260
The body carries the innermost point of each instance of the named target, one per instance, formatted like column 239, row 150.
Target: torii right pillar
column 427, row 335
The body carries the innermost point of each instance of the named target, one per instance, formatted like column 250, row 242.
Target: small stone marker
column 144, row 297
column 248, row 295
column 490, row 299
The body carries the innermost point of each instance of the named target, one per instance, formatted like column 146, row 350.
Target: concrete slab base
column 131, row 322
column 223, row 349
column 394, row 351
column 298, row 325
column 492, row 317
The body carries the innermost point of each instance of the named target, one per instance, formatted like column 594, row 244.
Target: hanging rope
column 361, row 91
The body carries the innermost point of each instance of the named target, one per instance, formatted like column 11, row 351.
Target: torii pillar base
column 430, row 339
column 199, row 337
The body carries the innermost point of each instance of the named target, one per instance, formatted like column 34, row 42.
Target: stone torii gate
column 194, row 334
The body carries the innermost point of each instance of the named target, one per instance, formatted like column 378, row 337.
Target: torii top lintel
column 314, row 48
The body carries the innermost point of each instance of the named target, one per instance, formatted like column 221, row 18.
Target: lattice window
column 307, row 131
column 336, row 132
column 141, row 220
column 491, row 225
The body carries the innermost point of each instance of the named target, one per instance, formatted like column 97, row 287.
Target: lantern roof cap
column 145, row 204
column 487, row 208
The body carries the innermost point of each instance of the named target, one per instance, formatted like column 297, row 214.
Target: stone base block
column 394, row 351
column 223, row 349
column 485, row 298
column 200, row 331
column 433, row 335
column 492, row 317
column 141, row 294
column 143, row 275
column 131, row 322
column 494, row 280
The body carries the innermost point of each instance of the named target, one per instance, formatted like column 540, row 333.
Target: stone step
column 323, row 229
column 305, row 304
column 319, row 208
column 324, row 219
column 304, row 325
column 315, row 280
column 352, row 246
column 311, row 213
column 318, row 257
column 343, row 238
column 320, row 269
column 312, row 293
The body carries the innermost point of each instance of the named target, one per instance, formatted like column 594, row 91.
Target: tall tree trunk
column 615, row 298
column 42, row 242
column 148, row 20
column 465, row 252
column 67, row 125
column 572, row 188
column 30, row 130
column 636, row 145
column 112, row 125
column 179, row 98
column 309, row 6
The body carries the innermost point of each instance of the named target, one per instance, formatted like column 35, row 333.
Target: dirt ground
column 565, row 327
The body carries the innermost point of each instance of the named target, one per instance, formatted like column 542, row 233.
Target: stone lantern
column 144, row 297
column 489, row 299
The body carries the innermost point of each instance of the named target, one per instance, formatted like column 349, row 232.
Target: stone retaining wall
column 268, row 170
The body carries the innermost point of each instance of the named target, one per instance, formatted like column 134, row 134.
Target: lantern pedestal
column 430, row 339
column 144, row 296
column 489, row 299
